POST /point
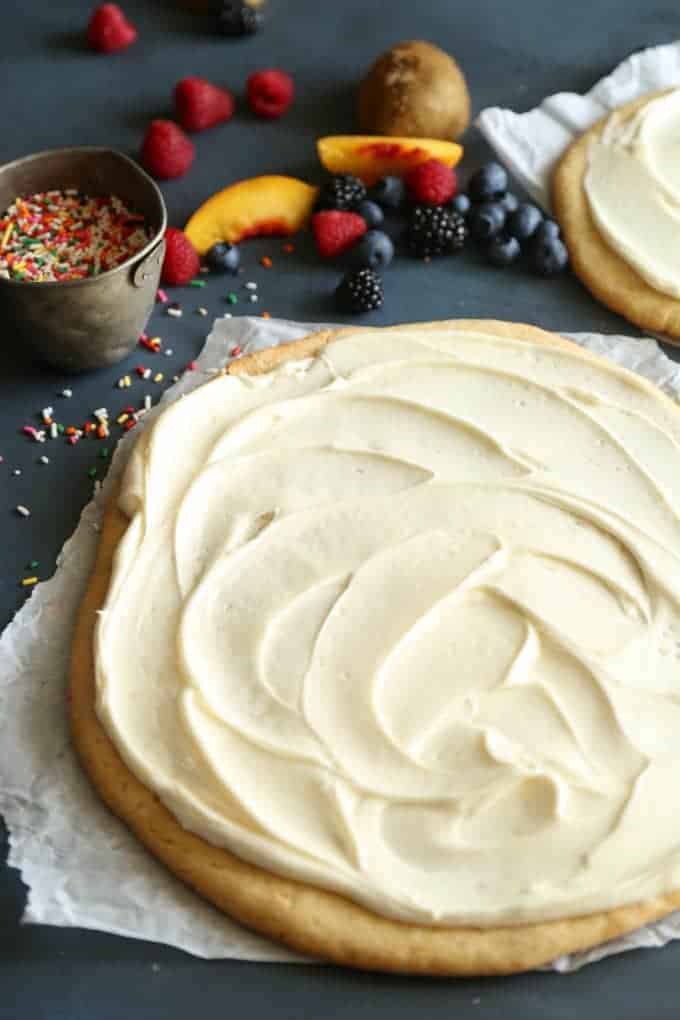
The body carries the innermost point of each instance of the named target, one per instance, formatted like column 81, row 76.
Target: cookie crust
column 310, row 920
column 607, row 276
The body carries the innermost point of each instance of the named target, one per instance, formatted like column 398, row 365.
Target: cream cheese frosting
column 403, row 621
column 633, row 188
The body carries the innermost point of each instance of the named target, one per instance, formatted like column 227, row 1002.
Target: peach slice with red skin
column 271, row 205
column 371, row 157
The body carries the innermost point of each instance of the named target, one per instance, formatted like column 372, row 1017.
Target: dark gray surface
column 56, row 93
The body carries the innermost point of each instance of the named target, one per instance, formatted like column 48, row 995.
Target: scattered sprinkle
column 176, row 313
column 158, row 377
column 23, row 511
column 266, row 262
column 253, row 298
column 192, row 366
column 37, row 435
column 235, row 351
column 161, row 296
column 32, row 565
column 250, row 285
column 17, row 471
column 92, row 472
column 27, row 582
column 152, row 343
column 197, row 283
column 104, row 452
column 202, row 312
column 231, row 298
column 43, row 460
column 169, row 352
column 266, row 315
column 147, row 402
column 289, row 248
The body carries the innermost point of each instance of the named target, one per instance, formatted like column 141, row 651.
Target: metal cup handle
column 150, row 264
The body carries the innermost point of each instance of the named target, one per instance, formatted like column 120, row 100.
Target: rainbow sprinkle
column 64, row 235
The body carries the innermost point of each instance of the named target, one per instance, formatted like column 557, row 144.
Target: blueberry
column 487, row 220
column 549, row 257
column 524, row 222
column 488, row 183
column 547, row 230
column 375, row 250
column 389, row 192
column 460, row 204
column 223, row 258
column 371, row 212
column 503, row 250
column 509, row 202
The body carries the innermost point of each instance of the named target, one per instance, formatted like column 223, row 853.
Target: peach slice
column 371, row 157
column 259, row 206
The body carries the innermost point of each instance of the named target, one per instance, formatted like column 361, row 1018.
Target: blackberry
column 344, row 192
column 238, row 18
column 433, row 230
column 359, row 291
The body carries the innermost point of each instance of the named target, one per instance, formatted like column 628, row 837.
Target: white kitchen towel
column 531, row 143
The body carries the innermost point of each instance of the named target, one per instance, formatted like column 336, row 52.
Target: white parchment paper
column 81, row 865
column 531, row 143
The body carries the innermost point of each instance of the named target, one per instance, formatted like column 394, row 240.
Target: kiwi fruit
column 414, row 90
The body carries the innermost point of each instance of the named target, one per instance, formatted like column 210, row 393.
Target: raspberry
column 435, row 231
column 336, row 232
column 360, row 291
column 431, row 183
column 270, row 93
column 181, row 263
column 344, row 191
column 200, row 105
column 167, row 152
column 109, row 30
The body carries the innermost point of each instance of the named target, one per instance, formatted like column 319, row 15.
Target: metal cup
column 95, row 322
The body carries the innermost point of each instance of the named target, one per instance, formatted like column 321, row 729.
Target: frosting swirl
column 633, row 189
column 402, row 620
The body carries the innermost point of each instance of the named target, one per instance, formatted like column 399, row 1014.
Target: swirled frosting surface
column 633, row 188
column 402, row 621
